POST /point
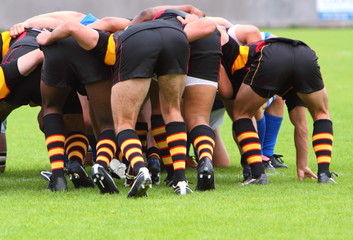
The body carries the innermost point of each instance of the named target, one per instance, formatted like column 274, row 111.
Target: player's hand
column 188, row 18
column 43, row 38
column 305, row 172
column 17, row 29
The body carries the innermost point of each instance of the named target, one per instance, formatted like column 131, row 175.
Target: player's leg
column 99, row 99
column 53, row 100
column 171, row 88
column 159, row 133
column 127, row 99
column 197, row 105
column 317, row 103
column 76, row 142
column 244, row 131
column 274, row 117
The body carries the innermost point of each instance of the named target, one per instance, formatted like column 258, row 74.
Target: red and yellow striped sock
column 203, row 139
column 76, row 146
column 176, row 139
column 106, row 147
column 248, row 140
column 130, row 145
column 322, row 144
column 55, row 140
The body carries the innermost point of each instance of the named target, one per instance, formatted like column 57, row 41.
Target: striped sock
column 176, row 139
column 106, row 147
column 203, row 138
column 322, row 144
column 153, row 151
column 130, row 145
column 246, row 136
column 76, row 146
column 55, row 140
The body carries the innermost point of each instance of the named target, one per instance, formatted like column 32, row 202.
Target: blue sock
column 273, row 125
column 261, row 130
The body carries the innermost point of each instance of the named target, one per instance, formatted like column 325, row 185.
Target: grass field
column 284, row 209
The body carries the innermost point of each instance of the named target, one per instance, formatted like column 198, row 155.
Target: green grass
column 284, row 209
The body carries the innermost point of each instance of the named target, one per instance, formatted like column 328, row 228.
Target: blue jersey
column 88, row 19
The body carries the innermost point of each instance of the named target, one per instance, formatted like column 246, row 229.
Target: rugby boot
column 103, row 180
column 277, row 162
column 182, row 188
column 268, row 165
column 78, row 175
column 262, row 179
column 326, row 177
column 246, row 173
column 154, row 168
column 205, row 175
column 46, row 174
column 58, row 184
column 141, row 184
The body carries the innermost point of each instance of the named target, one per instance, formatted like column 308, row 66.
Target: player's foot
column 141, row 184
column 326, row 177
column 154, row 168
column 103, row 180
column 277, row 162
column 259, row 180
column 182, row 188
column 78, row 175
column 205, row 175
column 58, row 184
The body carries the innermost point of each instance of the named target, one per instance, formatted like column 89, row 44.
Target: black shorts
column 205, row 57
column 23, row 89
column 66, row 64
column 292, row 100
column 160, row 50
column 280, row 66
column 72, row 104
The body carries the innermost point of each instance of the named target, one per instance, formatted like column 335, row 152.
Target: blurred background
column 263, row 13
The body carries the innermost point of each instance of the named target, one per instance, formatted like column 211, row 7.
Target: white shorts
column 190, row 81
